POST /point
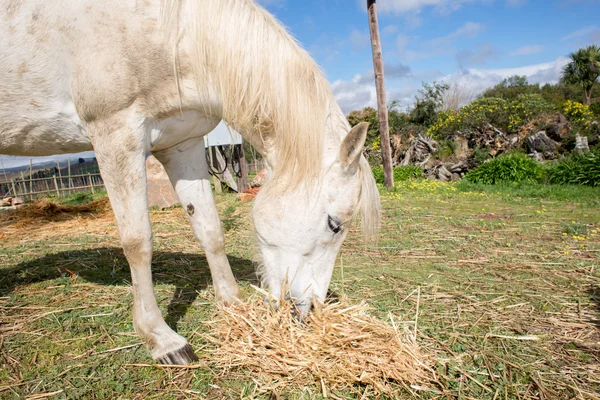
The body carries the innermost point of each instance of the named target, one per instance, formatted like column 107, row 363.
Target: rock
column 17, row 201
column 559, row 130
column 462, row 147
column 6, row 202
column 536, row 156
column 581, row 144
column 455, row 177
column 541, row 143
column 160, row 191
column 458, row 167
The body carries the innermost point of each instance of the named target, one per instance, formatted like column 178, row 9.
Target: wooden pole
column 69, row 182
column 31, row 176
column 215, row 179
column 243, row 181
column 91, row 183
column 14, row 188
column 23, row 185
column 56, row 186
column 386, row 153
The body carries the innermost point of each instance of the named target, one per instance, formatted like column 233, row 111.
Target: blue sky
column 473, row 44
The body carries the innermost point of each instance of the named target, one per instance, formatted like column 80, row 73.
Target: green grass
column 483, row 268
column 79, row 198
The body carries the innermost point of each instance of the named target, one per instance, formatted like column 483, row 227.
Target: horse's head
column 300, row 231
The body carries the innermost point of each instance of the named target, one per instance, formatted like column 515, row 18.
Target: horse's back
column 67, row 62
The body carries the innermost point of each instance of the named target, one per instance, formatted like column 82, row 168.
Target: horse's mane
column 268, row 85
column 270, row 88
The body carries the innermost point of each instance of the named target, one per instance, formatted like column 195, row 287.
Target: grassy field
column 501, row 285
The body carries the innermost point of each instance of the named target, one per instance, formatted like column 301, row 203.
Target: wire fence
column 77, row 178
column 32, row 188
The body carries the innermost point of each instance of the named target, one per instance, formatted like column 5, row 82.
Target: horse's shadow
column 189, row 273
column 594, row 293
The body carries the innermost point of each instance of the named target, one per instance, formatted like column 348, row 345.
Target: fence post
column 91, row 183
column 31, row 178
column 69, row 181
column 56, row 186
column 14, row 188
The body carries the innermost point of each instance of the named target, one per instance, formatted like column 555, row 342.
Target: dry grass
column 339, row 348
column 500, row 293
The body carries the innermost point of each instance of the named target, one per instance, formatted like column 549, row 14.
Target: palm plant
column 583, row 70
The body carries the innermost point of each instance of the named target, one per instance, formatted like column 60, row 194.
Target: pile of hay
column 48, row 208
column 339, row 348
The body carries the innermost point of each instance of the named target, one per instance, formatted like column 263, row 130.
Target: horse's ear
column 352, row 146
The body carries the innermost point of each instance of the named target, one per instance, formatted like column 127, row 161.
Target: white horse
column 127, row 77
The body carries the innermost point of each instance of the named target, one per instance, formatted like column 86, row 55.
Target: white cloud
column 352, row 95
column 480, row 79
column 479, row 56
column 398, row 7
column 359, row 92
column 391, row 71
column 526, row 50
column 469, row 29
column 592, row 33
column 441, row 45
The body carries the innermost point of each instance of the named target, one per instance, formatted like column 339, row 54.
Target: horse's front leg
column 120, row 152
column 186, row 166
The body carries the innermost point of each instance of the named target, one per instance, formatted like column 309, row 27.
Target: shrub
column 446, row 148
column 401, row 173
column 514, row 167
column 576, row 169
column 505, row 115
column 579, row 115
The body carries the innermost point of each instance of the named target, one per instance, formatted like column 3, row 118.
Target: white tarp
column 222, row 135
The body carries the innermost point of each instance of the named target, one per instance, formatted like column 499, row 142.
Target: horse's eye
column 333, row 225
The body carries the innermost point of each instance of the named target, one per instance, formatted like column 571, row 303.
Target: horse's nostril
column 271, row 303
column 302, row 309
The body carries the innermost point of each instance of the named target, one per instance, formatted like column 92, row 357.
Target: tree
column 368, row 114
column 583, row 70
column 428, row 102
column 515, row 81
column 396, row 121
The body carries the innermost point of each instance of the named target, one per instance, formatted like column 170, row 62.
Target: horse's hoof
column 183, row 356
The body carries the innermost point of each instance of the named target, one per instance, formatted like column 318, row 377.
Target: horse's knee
column 214, row 243
column 137, row 249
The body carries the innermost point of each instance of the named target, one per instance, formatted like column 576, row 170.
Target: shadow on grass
column 594, row 293
column 189, row 273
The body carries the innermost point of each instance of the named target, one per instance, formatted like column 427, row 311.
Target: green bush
column 446, row 148
column 401, row 173
column 514, row 167
column 576, row 169
column 508, row 116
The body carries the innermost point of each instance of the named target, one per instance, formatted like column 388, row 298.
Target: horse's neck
column 269, row 88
